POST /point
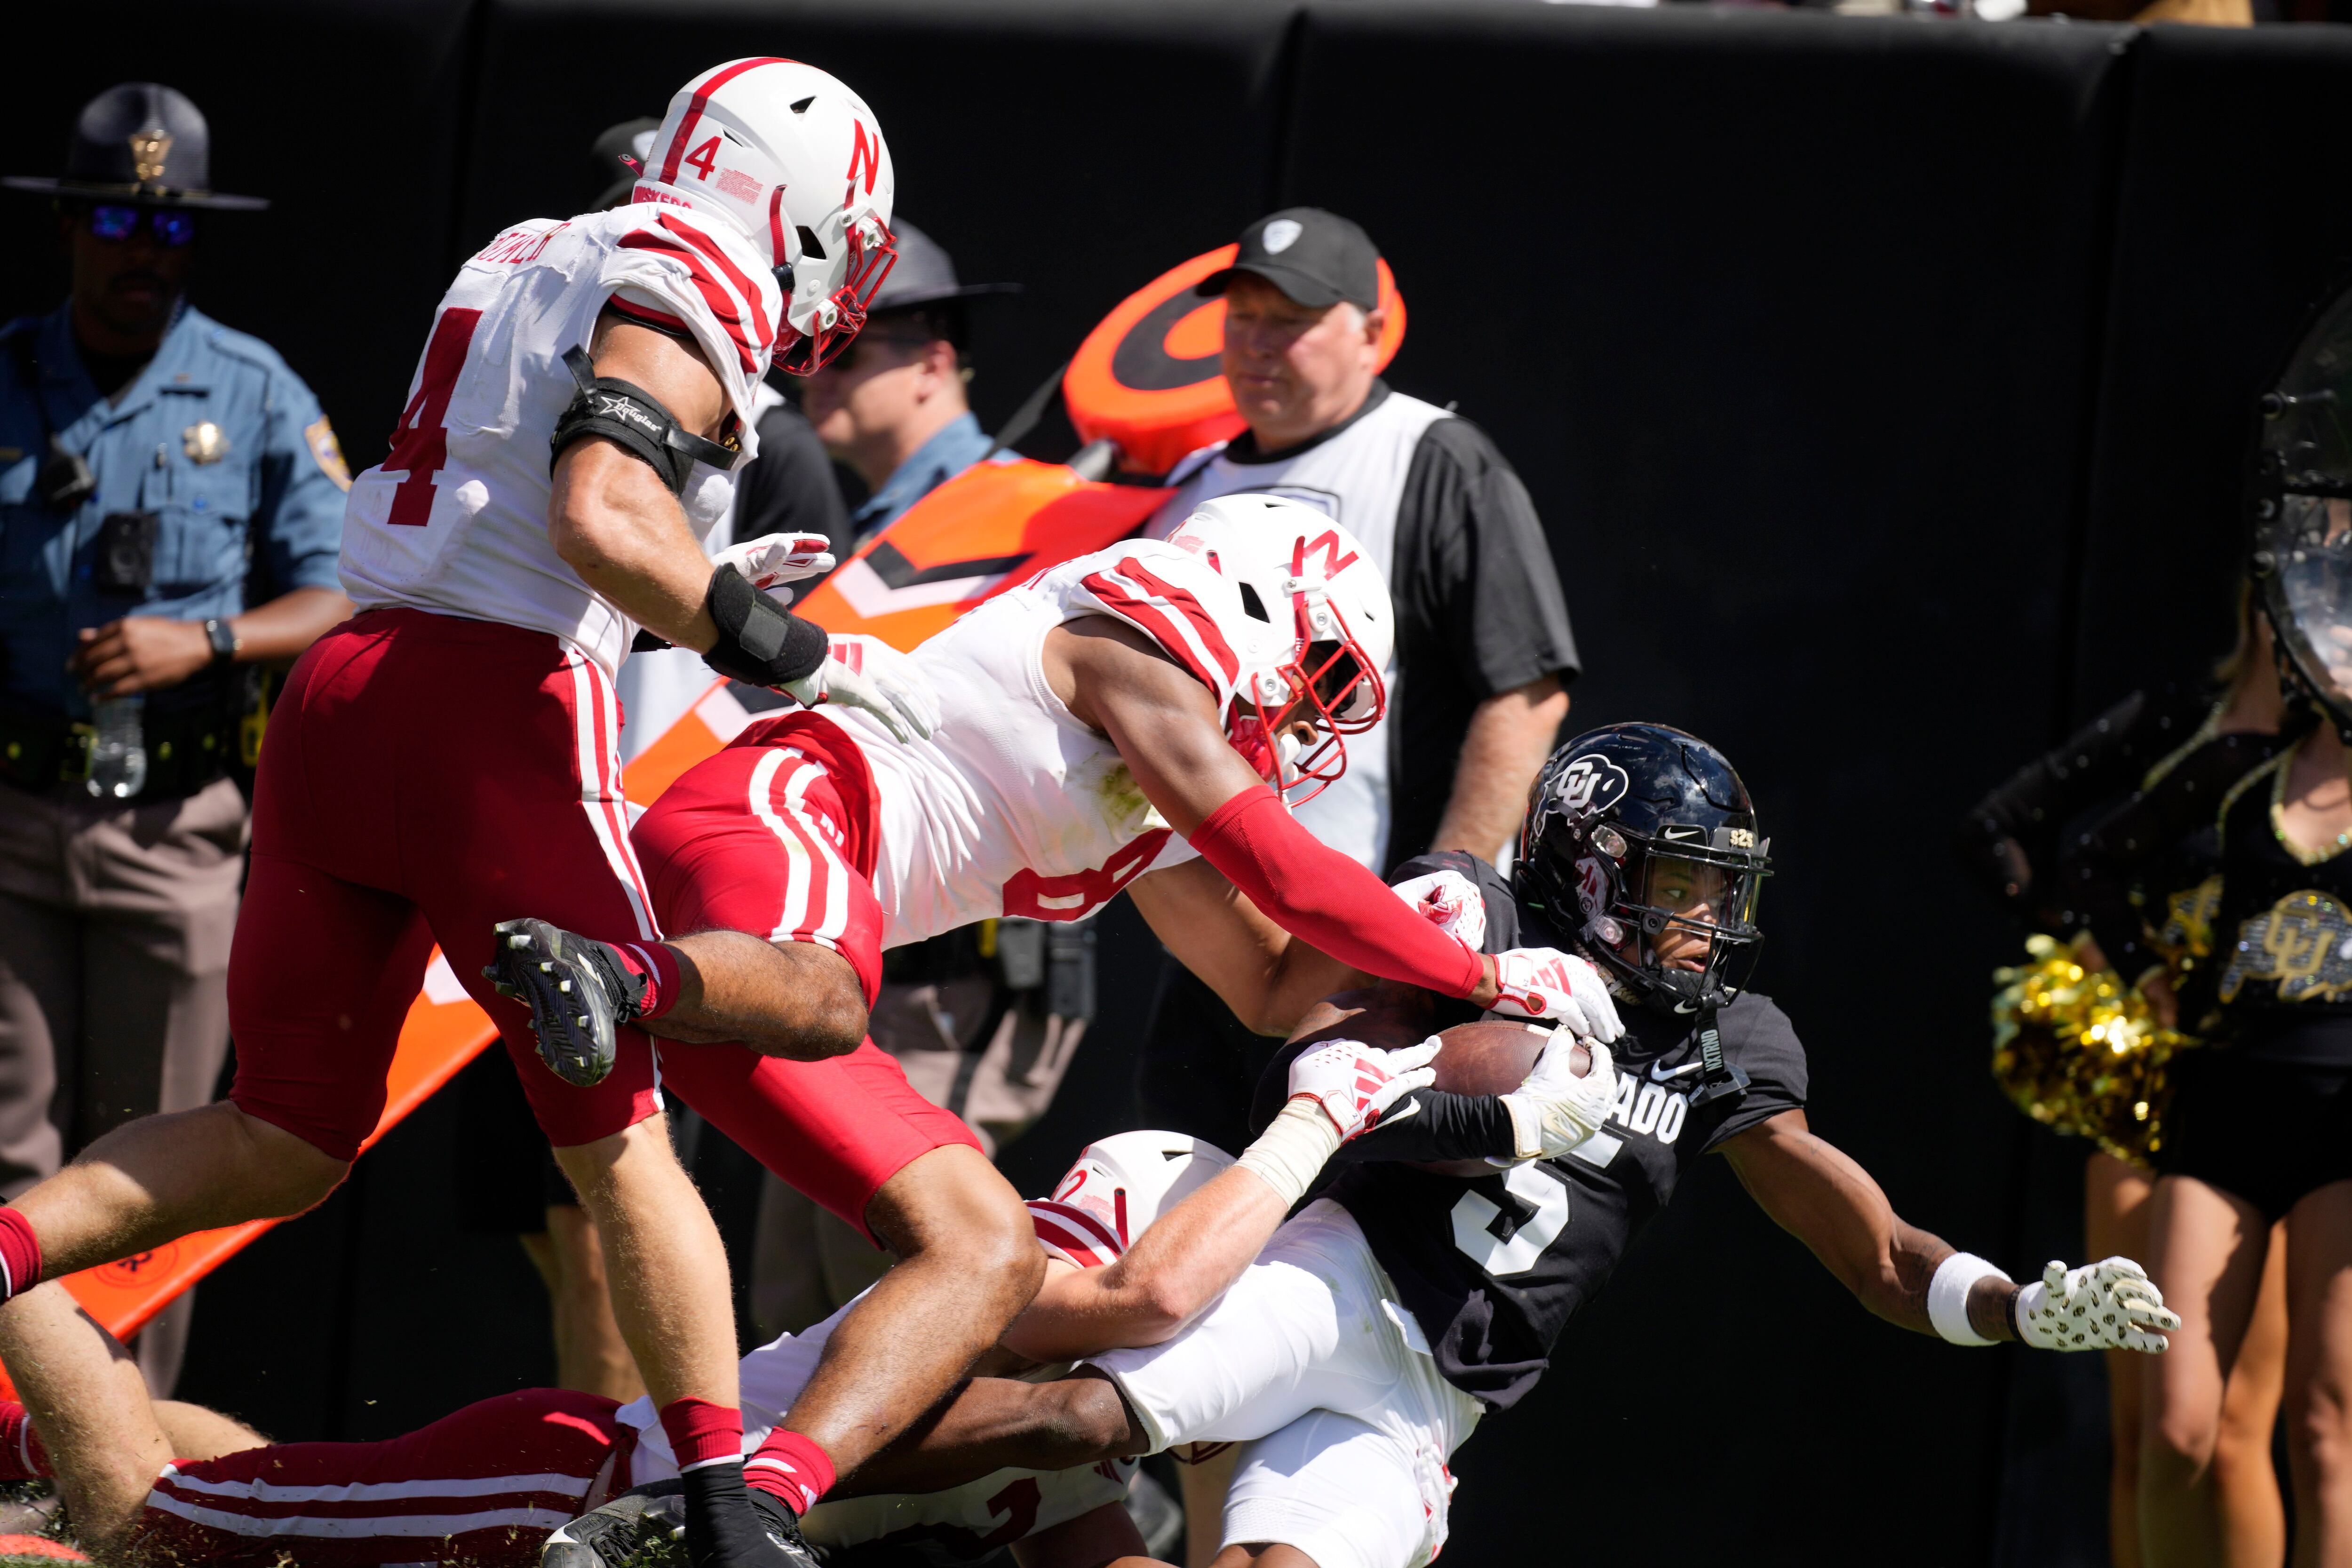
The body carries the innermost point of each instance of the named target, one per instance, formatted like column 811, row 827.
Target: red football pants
column 426, row 777
column 776, row 837
column 483, row 1487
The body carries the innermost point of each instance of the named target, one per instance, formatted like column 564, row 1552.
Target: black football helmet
column 1637, row 831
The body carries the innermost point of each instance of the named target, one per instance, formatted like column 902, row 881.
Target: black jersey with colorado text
column 1493, row 1268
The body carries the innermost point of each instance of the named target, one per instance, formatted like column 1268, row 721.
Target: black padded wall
column 1883, row 384
column 1076, row 149
column 2228, row 229
column 1787, row 323
column 345, row 116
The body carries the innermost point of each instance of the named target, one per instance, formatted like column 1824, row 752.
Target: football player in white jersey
column 447, row 760
column 164, row 1481
column 1122, row 721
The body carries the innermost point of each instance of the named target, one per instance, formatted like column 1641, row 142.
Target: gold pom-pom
column 2080, row 1052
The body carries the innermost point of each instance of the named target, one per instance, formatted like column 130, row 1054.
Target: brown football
column 1491, row 1057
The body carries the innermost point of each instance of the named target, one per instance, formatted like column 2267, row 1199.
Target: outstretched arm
column 1253, row 966
column 1918, row 1280
column 1167, row 728
column 1822, row 1199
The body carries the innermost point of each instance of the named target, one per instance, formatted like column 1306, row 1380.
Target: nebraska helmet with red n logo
column 1321, row 637
column 1119, row 1185
column 796, row 159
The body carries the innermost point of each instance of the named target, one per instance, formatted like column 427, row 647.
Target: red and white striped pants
column 426, row 777
column 483, row 1487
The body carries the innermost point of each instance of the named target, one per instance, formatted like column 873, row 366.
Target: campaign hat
column 143, row 144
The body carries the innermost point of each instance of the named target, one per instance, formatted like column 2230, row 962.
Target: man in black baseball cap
column 1303, row 324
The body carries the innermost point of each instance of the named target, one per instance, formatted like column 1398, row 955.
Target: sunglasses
column 862, row 349
column 168, row 228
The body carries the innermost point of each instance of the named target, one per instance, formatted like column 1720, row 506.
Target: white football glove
column 2104, row 1306
column 1556, row 987
column 1356, row 1084
column 1450, row 901
column 1554, row 1109
column 774, row 559
column 867, row 672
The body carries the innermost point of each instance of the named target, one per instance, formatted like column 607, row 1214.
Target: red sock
column 658, row 964
column 788, row 1466
column 22, row 1457
column 20, row 1254
column 702, row 1433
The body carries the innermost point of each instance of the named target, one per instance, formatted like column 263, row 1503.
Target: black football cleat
column 579, row 991
column 640, row 1529
column 646, row 1528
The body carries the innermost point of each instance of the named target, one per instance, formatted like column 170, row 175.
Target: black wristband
column 760, row 641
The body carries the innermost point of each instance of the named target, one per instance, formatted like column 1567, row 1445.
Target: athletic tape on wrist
column 1527, row 1126
column 1947, row 1297
column 1290, row 1153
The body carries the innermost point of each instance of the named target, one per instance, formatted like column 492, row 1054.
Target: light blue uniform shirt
column 275, row 478
column 956, row 447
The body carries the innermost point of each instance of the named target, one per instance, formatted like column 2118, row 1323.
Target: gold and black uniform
column 2267, row 1114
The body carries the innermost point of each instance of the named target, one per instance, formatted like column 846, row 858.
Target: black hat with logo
column 1317, row 258
column 140, row 143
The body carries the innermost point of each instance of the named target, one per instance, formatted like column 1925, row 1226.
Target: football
column 1493, row 1056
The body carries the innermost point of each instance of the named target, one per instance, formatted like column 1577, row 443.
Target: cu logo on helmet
column 1590, row 785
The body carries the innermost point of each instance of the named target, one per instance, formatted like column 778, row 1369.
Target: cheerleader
column 2082, row 1052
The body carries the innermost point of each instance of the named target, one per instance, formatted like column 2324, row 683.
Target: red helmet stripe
column 745, row 286
column 696, row 105
column 1072, row 1234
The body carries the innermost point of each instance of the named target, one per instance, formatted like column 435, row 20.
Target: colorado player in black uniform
column 1412, row 1300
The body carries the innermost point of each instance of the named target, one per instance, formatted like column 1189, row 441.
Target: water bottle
column 118, row 753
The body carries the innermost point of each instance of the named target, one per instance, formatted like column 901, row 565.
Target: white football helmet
column 1330, row 632
column 1121, row 1184
column 765, row 142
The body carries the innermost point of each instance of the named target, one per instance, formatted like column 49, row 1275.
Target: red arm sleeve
column 1319, row 896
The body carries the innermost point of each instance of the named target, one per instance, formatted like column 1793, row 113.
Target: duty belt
column 185, row 752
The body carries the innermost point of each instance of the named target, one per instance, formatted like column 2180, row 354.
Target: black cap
column 1317, row 258
column 140, row 143
column 924, row 273
column 620, row 153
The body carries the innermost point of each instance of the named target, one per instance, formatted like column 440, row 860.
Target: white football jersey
column 962, row 1524
column 1013, row 806
column 454, row 519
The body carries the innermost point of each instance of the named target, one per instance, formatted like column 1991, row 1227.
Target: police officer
column 173, row 504
column 892, row 408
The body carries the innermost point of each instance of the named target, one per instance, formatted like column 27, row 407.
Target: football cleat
column 579, row 993
column 645, row 1528
column 641, row 1528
